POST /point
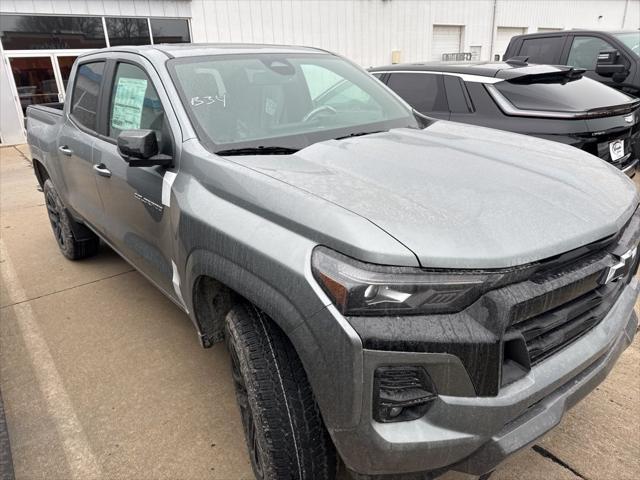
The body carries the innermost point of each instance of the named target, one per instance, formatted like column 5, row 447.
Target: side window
column 542, row 50
column 423, row 91
column 134, row 103
column 457, row 96
column 86, row 89
column 584, row 52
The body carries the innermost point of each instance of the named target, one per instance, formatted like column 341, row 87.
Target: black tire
column 283, row 428
column 70, row 247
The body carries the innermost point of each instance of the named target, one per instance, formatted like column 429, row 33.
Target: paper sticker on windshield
column 128, row 103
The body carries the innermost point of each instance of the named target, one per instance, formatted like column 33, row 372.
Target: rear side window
column 134, row 102
column 542, row 50
column 86, row 89
column 458, row 98
column 423, row 91
column 584, row 52
column 576, row 96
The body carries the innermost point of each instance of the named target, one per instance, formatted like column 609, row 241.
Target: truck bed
column 43, row 123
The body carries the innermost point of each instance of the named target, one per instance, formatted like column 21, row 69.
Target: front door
column 136, row 221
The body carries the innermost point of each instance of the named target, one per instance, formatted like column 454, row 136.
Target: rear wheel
column 72, row 248
column 283, row 428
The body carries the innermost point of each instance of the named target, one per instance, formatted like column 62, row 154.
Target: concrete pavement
column 102, row 377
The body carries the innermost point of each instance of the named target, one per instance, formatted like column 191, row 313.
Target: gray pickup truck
column 406, row 294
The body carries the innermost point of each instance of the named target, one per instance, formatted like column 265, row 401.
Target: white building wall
column 367, row 31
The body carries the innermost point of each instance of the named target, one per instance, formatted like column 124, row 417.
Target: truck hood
column 461, row 196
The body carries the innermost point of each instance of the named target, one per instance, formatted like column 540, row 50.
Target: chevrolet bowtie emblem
column 621, row 268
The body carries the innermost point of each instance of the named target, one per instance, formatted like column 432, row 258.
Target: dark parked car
column 553, row 102
column 612, row 58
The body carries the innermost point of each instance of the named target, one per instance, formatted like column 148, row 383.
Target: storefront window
column 38, row 32
column 65, row 63
column 127, row 31
column 170, row 30
column 35, row 80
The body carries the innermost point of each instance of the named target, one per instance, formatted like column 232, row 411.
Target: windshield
column 283, row 100
column 631, row 40
column 574, row 96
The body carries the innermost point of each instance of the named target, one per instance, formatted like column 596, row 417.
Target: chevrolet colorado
column 408, row 294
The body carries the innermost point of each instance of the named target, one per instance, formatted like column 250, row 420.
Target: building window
column 35, row 80
column 127, row 31
column 37, row 32
column 170, row 30
column 65, row 64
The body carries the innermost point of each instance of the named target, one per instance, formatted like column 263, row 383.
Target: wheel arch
column 216, row 283
column 40, row 171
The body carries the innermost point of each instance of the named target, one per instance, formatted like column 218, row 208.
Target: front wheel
column 283, row 428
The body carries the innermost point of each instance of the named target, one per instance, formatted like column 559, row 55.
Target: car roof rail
column 518, row 61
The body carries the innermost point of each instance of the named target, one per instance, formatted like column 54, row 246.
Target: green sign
column 128, row 103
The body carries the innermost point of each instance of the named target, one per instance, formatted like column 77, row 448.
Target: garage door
column 503, row 36
column 446, row 39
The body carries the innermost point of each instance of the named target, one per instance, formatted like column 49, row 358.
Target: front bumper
column 630, row 169
column 474, row 434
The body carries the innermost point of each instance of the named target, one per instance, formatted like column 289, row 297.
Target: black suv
column 552, row 102
column 612, row 58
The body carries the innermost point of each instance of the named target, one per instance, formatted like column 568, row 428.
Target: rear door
column 75, row 144
column 136, row 199
column 423, row 91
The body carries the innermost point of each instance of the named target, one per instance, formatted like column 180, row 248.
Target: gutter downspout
column 493, row 28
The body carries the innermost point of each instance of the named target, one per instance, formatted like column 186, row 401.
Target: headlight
column 358, row 288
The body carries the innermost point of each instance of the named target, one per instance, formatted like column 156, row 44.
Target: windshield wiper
column 360, row 134
column 258, row 151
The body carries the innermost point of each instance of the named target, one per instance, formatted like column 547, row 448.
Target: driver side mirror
column 139, row 148
column 610, row 65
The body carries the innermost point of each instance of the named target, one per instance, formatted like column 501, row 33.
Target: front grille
column 553, row 330
column 566, row 301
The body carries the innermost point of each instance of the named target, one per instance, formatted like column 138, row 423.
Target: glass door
column 65, row 62
column 35, row 80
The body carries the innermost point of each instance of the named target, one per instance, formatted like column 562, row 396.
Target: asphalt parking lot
column 103, row 377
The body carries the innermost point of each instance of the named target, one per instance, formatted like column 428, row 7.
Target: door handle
column 65, row 150
column 102, row 170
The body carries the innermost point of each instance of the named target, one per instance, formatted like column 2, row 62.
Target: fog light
column 394, row 412
column 401, row 393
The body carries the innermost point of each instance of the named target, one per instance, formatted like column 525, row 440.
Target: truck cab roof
column 178, row 50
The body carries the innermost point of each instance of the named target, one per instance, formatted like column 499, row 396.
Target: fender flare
column 244, row 283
